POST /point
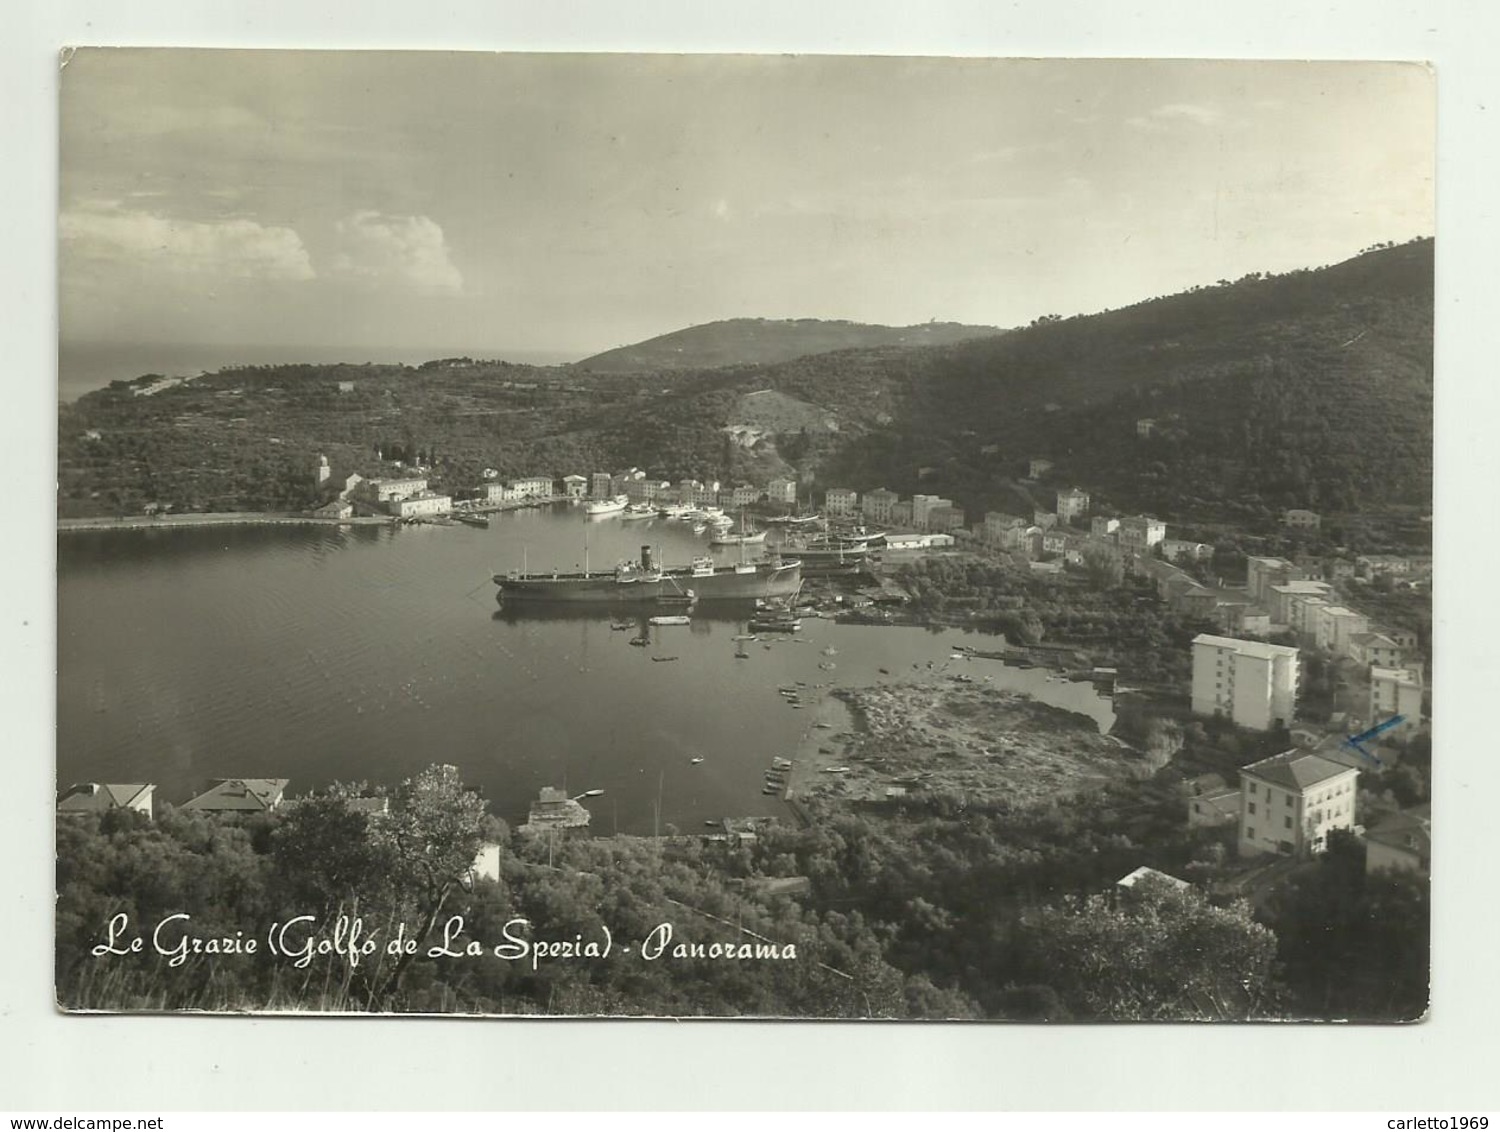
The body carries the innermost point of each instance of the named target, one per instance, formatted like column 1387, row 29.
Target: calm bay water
column 321, row 654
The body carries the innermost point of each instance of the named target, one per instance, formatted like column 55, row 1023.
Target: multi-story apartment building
column 1004, row 531
column 1393, row 692
column 601, row 485
column 921, row 505
column 1278, row 598
column 842, row 502
column 782, row 492
column 945, row 519
column 386, row 490
column 1375, row 648
column 1141, row 532
column 876, row 505
column 534, row 487
column 1291, row 802
column 1302, row 614
column 1336, row 626
column 1072, row 503
column 742, row 495
column 420, row 505
column 1250, row 682
column 1100, row 527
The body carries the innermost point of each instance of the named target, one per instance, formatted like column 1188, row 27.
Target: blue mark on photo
column 1357, row 741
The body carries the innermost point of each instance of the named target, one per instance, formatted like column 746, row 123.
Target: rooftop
column 88, row 797
column 239, row 794
column 1410, row 830
column 1295, row 770
column 1131, row 879
column 1246, row 648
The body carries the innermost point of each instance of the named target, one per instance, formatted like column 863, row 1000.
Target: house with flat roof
column 1250, row 682
column 1291, row 802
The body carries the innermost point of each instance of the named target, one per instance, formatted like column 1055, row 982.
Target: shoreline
column 213, row 519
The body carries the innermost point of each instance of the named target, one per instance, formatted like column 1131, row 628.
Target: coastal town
column 751, row 523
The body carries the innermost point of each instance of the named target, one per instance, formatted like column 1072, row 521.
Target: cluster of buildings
column 238, row 796
column 921, row 513
column 225, row 795
column 638, row 487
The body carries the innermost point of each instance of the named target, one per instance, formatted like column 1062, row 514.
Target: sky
column 573, row 203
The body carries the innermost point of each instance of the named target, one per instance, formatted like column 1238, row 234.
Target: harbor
column 391, row 653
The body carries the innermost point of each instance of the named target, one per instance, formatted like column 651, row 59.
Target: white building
column 841, row 501
column 1100, row 527
column 782, row 492
column 1038, row 467
column 1251, row 683
column 1004, row 530
column 575, row 487
column 1290, row 803
column 421, row 505
column 1141, row 532
column 1336, row 626
column 387, row 490
column 1072, row 503
column 533, row 487
column 1278, row 598
column 876, row 506
column 1393, row 692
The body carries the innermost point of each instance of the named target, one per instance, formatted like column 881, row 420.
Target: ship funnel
column 645, row 558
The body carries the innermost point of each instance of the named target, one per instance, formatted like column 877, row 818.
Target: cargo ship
column 646, row 581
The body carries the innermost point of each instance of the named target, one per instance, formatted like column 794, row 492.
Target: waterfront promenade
column 217, row 519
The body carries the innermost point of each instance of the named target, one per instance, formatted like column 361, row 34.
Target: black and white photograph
column 744, row 536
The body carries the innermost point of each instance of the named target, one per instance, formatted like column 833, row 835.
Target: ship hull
column 603, row 589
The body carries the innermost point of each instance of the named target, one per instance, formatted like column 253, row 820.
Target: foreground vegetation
column 943, row 910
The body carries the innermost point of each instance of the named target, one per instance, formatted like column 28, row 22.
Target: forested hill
column 765, row 341
column 1309, row 389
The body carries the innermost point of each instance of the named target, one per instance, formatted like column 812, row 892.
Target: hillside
column 1311, row 389
column 764, row 341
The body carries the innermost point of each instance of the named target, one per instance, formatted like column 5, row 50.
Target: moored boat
column 644, row 581
column 606, row 506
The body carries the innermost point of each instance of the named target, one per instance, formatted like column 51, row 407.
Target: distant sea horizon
column 86, row 366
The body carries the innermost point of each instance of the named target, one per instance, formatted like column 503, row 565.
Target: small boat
column 695, row 760
column 769, row 790
column 782, row 764
column 670, row 619
column 835, row 770
column 745, row 637
column 640, row 642
column 662, row 659
column 622, row 626
column 885, row 671
column 711, row 823
column 591, row 793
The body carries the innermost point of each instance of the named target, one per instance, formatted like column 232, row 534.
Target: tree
column 1156, row 953
column 1104, row 567
column 428, row 841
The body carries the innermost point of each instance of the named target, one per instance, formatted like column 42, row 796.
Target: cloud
column 401, row 249
column 1173, row 113
column 240, row 248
